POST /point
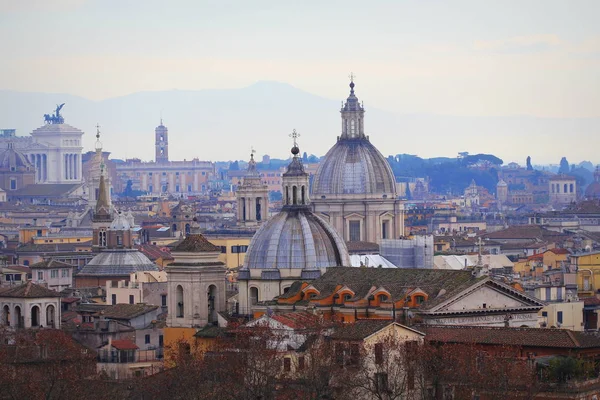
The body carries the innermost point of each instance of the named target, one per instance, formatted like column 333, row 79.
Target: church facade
column 354, row 188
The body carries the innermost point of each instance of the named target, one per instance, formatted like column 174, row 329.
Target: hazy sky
column 476, row 58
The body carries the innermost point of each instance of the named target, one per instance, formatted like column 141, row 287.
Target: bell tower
column 295, row 179
column 252, row 197
column 353, row 115
column 161, row 143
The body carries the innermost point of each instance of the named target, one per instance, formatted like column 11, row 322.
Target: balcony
column 129, row 356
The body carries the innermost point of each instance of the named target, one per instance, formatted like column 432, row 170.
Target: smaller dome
column 13, row 160
column 120, row 223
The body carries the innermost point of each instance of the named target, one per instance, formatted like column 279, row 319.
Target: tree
column 44, row 364
column 529, row 166
column 564, row 166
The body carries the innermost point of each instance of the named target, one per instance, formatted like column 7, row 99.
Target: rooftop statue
column 55, row 118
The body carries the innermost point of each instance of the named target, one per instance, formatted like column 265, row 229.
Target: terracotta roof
column 69, row 300
column 527, row 337
column 124, row 344
column 559, row 251
column 361, row 329
column 440, row 285
column 154, row 252
column 51, row 263
column 297, row 319
column 127, row 311
column 591, row 301
column 196, row 243
column 28, row 290
column 523, row 232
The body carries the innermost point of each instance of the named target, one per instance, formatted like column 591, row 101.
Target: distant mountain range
column 224, row 124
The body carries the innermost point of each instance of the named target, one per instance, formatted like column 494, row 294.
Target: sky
column 450, row 57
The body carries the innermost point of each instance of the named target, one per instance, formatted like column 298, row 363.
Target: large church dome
column 353, row 165
column 296, row 238
column 13, row 160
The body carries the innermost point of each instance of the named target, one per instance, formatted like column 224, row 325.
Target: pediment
column 36, row 146
column 354, row 216
column 489, row 295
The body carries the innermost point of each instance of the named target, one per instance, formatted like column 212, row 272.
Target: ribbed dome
column 296, row 238
column 354, row 166
column 121, row 262
column 13, row 160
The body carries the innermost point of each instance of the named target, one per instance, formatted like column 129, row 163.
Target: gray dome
column 121, row 262
column 13, row 160
column 120, row 223
column 296, row 238
column 354, row 166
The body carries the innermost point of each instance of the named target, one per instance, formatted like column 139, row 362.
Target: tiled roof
column 127, row 311
column 362, row 246
column 360, row 330
column 523, row 232
column 46, row 190
column 559, row 251
column 440, row 285
column 527, row 337
column 196, row 243
column 297, row 319
column 591, row 301
column 28, row 290
column 154, row 252
column 48, row 247
column 123, row 344
column 51, row 263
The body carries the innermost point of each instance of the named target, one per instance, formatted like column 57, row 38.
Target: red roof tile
column 124, row 344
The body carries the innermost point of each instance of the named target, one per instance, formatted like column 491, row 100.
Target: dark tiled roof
column 51, row 263
column 28, row 290
column 127, row 311
column 297, row 319
column 196, row 243
column 523, row 232
column 210, row 331
column 360, row 330
column 362, row 246
column 46, row 190
column 528, row 337
column 48, row 248
column 440, row 285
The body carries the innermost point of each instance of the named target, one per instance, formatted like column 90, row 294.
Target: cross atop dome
column 98, row 144
column 295, row 135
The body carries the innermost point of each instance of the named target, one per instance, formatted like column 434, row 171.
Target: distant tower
column 502, row 192
column 162, row 143
column 252, row 197
column 98, row 168
column 102, row 218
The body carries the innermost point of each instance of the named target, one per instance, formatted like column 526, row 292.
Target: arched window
column 102, row 238
column 258, row 209
column 419, row 300
column 6, row 315
column 179, row 299
column 287, row 195
column 295, row 194
column 253, row 295
column 303, row 195
column 50, row 316
column 565, row 188
column 212, row 298
column 35, row 316
column 18, row 322
column 382, row 297
column 347, row 297
column 571, row 188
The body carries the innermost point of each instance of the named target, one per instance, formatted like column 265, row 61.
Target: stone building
column 196, row 286
column 502, row 191
column 354, row 187
column 294, row 244
column 563, row 189
column 252, row 197
column 29, row 306
column 165, row 176
column 16, row 171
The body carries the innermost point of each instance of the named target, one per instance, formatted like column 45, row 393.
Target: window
column 382, row 298
column 239, row 249
column 384, row 229
column 223, row 249
column 253, row 295
column 147, row 339
column 65, row 273
column 161, row 341
column 381, row 382
column 354, row 231
column 13, row 184
column 354, row 354
column 544, row 313
column 300, row 363
column 419, row 299
column 40, row 276
column 119, row 240
column 559, row 317
column 102, row 238
column 571, row 188
column 347, row 297
column 131, row 299
column 54, row 273
column 177, row 188
column 113, row 299
column 163, row 300
column 189, row 188
column 287, row 364
column 378, row 353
